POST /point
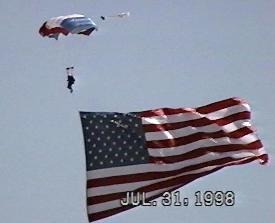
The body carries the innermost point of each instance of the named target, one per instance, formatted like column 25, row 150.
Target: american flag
column 161, row 150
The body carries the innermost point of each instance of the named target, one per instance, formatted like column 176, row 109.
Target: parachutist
column 70, row 78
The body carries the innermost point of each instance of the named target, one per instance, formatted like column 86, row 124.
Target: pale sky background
column 166, row 54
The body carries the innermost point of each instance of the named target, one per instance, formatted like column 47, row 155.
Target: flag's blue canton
column 113, row 140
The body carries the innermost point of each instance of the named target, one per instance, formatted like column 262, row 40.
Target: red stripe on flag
column 219, row 105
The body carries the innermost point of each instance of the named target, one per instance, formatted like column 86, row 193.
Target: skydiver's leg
column 70, row 86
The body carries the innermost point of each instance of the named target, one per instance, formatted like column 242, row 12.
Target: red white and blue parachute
column 74, row 24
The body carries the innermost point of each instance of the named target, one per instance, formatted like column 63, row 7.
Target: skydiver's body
column 70, row 78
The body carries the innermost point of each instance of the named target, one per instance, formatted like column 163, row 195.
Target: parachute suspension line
column 119, row 15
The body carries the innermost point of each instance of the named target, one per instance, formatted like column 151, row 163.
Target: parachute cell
column 74, row 24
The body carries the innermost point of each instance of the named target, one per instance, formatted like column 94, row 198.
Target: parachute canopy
column 74, row 24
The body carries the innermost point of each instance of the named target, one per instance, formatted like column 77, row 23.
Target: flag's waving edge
column 161, row 150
